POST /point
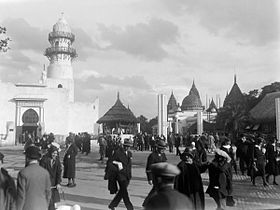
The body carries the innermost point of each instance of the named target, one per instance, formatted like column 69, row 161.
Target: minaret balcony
column 61, row 34
column 61, row 50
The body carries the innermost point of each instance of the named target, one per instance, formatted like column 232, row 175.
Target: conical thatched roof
column 265, row 110
column 172, row 105
column 118, row 113
column 212, row 107
column 235, row 95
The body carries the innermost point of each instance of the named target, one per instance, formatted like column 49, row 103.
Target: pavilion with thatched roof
column 264, row 114
column 119, row 119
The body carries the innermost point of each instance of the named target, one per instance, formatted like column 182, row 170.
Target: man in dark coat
column 241, row 154
column 189, row 181
column 69, row 162
column 122, row 159
column 156, row 156
column 167, row 198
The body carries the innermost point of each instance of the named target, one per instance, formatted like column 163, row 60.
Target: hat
column 160, row 144
column 33, row 152
column 223, row 154
column 56, row 145
column 165, row 169
column 186, row 153
column 127, row 142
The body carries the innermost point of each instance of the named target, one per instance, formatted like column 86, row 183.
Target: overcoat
column 168, row 199
column 271, row 167
column 189, row 183
column 69, row 161
column 33, row 188
column 7, row 191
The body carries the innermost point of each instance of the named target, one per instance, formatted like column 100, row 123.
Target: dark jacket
column 69, row 161
column 120, row 156
column 7, row 191
column 154, row 157
column 189, row 183
column 168, row 199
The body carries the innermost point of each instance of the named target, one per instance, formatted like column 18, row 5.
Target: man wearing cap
column 33, row 183
column 167, row 198
column 156, row 156
column 122, row 160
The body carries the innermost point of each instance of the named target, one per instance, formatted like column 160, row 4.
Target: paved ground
column 91, row 190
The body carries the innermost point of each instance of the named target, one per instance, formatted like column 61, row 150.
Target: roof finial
column 118, row 95
column 234, row 78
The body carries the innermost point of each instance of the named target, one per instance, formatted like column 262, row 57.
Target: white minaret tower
column 60, row 55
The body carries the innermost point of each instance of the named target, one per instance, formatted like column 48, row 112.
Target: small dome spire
column 61, row 25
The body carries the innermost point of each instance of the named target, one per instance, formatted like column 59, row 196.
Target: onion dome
column 235, row 95
column 192, row 101
column 61, row 25
column 172, row 105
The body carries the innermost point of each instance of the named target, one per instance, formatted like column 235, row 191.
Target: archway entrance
column 30, row 121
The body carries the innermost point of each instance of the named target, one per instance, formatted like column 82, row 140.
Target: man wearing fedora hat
column 122, row 160
column 167, row 198
column 156, row 156
column 33, row 183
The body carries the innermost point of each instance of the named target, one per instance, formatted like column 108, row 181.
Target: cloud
column 144, row 40
column 24, row 36
column 16, row 67
column 83, row 43
column 248, row 21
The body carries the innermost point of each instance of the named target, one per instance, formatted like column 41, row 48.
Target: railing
column 57, row 50
column 61, row 34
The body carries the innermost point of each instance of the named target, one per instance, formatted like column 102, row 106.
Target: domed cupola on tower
column 61, row 54
column 192, row 101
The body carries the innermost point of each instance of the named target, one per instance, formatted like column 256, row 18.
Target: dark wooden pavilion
column 119, row 119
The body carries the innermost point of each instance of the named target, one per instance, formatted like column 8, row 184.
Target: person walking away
column 122, row 159
column 155, row 157
column 177, row 144
column 69, row 162
column 189, row 181
column 220, row 185
column 241, row 154
column 167, row 198
column 102, row 147
column 271, row 156
column 52, row 164
column 33, row 183
column 8, row 192
column 258, row 168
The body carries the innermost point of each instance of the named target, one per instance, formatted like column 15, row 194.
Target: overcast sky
column 145, row 47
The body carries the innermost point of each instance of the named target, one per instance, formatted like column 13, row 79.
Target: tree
column 4, row 40
column 143, row 123
column 273, row 87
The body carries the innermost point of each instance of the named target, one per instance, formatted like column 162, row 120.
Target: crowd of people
column 172, row 186
column 256, row 154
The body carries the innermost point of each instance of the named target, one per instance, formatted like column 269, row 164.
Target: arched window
column 60, row 86
column 56, row 44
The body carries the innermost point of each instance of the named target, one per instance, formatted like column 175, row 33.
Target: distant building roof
column 235, row 95
column 212, row 107
column 172, row 105
column 118, row 113
column 192, row 101
column 265, row 109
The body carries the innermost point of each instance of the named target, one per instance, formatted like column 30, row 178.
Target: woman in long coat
column 220, row 185
column 271, row 167
column 189, row 181
column 50, row 161
column 69, row 162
